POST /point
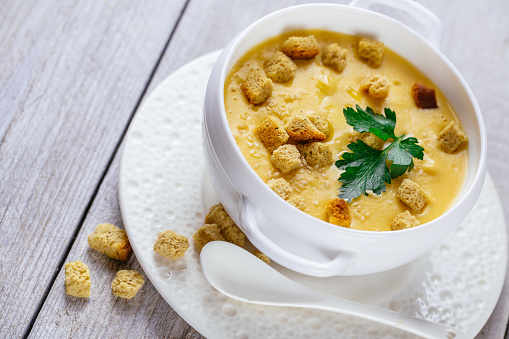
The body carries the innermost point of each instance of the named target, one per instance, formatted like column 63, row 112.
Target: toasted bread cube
column 272, row 133
column 286, row 158
column 257, row 88
column 229, row 230
column 451, row 137
column 412, row 195
column 316, row 153
column 372, row 52
column 110, row 240
column 261, row 256
column 171, row 245
column 372, row 140
column 335, row 57
column 338, row 212
column 320, row 123
column 297, row 202
column 424, row 96
column 206, row 234
column 281, row 187
column 300, row 128
column 301, row 47
column 127, row 283
column 376, row 86
column 404, row 220
column 280, row 68
column 77, row 279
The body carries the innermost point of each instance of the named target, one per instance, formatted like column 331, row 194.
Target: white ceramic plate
column 163, row 185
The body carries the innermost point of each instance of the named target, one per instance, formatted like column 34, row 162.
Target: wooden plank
column 103, row 315
column 71, row 76
column 206, row 26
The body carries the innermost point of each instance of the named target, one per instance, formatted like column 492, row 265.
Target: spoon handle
column 417, row 326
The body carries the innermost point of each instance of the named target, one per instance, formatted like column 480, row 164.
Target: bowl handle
column 341, row 261
column 417, row 11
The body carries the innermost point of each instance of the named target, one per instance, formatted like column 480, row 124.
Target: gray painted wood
column 64, row 158
column 71, row 74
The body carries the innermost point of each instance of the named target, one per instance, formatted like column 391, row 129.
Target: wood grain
column 477, row 48
column 103, row 315
column 71, row 75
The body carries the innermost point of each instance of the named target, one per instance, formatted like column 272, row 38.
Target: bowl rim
column 460, row 200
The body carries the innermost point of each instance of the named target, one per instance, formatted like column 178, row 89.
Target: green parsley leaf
column 366, row 168
column 368, row 121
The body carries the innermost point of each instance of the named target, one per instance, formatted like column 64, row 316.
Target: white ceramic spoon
column 238, row 274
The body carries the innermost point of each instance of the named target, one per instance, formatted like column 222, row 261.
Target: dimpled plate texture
column 163, row 186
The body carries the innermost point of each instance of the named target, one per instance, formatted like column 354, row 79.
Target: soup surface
column 317, row 89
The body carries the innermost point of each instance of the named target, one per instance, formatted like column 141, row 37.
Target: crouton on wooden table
column 127, row 283
column 77, row 279
column 110, row 240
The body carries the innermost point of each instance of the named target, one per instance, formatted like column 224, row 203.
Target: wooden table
column 72, row 76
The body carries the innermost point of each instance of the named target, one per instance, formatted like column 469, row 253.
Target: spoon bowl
column 239, row 274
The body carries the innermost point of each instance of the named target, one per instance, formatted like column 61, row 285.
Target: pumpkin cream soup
column 346, row 130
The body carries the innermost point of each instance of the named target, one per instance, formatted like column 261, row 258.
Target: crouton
column 230, row 232
column 372, row 140
column 424, row 96
column 301, row 47
column 272, row 133
column 300, row 128
column 286, row 158
column 338, row 212
column 451, row 137
column 206, row 234
column 297, row 202
column 316, row 153
column 77, row 279
column 110, row 240
column 171, row 245
column 127, row 283
column 261, row 256
column 281, row 187
column 372, row 52
column 335, row 57
column 320, row 123
column 412, row 195
column 376, row 86
column 257, row 88
column 280, row 68
column 404, row 220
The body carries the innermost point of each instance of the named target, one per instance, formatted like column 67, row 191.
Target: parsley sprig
column 365, row 168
